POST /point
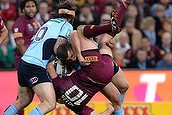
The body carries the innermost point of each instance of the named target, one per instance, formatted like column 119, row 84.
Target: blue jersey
column 42, row 46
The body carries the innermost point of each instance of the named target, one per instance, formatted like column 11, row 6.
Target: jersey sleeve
column 18, row 30
column 67, row 27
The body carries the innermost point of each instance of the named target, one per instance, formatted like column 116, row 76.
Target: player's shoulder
column 19, row 21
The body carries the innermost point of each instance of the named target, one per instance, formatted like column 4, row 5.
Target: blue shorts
column 30, row 75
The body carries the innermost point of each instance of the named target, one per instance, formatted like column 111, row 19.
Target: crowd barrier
column 149, row 93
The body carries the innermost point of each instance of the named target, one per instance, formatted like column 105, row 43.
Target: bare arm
column 75, row 41
column 111, row 44
column 51, row 70
column 3, row 34
column 60, row 40
column 20, row 46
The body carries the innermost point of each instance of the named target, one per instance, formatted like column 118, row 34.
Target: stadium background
column 149, row 94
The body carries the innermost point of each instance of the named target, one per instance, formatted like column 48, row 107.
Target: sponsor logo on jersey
column 16, row 30
column 30, row 27
column 33, row 80
column 91, row 58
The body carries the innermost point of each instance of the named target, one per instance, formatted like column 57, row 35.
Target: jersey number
column 40, row 35
column 78, row 98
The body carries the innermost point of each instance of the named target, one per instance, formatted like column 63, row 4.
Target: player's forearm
column 21, row 46
column 3, row 34
column 50, row 69
column 75, row 43
column 21, row 49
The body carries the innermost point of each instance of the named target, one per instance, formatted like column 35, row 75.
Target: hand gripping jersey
column 41, row 48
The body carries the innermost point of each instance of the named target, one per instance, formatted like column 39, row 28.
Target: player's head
column 29, row 8
column 66, row 9
column 65, row 53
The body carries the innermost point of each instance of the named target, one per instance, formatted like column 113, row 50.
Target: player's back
column 41, row 48
column 101, row 68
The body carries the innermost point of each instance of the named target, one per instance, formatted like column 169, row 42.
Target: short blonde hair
column 147, row 22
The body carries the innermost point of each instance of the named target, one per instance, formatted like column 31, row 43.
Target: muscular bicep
column 60, row 40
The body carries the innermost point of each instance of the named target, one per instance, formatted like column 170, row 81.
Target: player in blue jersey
column 32, row 74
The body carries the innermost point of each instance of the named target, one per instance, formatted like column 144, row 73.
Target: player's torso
column 101, row 68
column 42, row 45
column 25, row 28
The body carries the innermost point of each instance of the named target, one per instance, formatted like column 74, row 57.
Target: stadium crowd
column 145, row 40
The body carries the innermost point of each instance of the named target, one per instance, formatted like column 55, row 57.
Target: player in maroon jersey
column 118, row 79
column 3, row 31
column 25, row 27
column 76, row 90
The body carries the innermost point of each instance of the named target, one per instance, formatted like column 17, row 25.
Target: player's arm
column 3, row 33
column 75, row 41
column 20, row 46
column 111, row 44
column 60, row 40
column 51, row 70
column 18, row 34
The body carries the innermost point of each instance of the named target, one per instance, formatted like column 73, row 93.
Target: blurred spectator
column 8, row 10
column 85, row 17
column 79, row 3
column 166, row 42
column 166, row 62
column 7, row 54
column 166, row 27
column 119, row 58
column 95, row 9
column 133, row 33
column 158, row 21
column 154, row 53
column 166, row 4
column 151, row 2
column 143, row 8
column 122, row 43
column 141, row 61
column 43, row 15
column 108, row 8
column 51, row 5
column 132, row 13
column 105, row 18
column 147, row 27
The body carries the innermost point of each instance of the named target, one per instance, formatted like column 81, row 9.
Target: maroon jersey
column 25, row 29
column 77, row 90
column 1, row 23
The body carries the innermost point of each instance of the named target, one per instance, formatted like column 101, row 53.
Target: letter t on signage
column 152, row 81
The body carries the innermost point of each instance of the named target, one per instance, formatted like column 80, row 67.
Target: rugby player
column 32, row 74
column 89, row 31
column 24, row 28
column 76, row 90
